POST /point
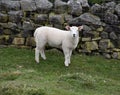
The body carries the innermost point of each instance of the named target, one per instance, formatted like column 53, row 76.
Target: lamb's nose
column 73, row 35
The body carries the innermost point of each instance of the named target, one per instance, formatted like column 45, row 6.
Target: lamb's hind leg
column 42, row 52
column 42, row 42
column 37, row 55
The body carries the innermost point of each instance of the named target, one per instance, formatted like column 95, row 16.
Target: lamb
column 67, row 40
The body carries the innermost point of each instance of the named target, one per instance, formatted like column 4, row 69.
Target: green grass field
column 87, row 75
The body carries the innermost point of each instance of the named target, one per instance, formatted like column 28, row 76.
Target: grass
column 87, row 75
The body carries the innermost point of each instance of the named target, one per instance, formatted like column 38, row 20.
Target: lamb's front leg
column 66, row 60
column 70, row 53
column 37, row 55
column 67, row 57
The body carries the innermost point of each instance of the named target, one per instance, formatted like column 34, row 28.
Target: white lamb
column 65, row 40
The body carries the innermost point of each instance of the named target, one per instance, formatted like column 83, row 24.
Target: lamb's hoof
column 37, row 61
column 66, row 64
column 44, row 58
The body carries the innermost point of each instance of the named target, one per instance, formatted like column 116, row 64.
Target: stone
column 117, row 42
column 4, row 39
column 1, row 31
column 28, row 28
column 18, row 41
column 100, row 29
column 107, row 55
column 86, row 39
column 7, row 5
column 43, row 6
column 110, row 6
column 96, row 39
column 95, row 34
column 112, row 28
column 19, row 35
column 116, row 29
column 84, row 51
column 12, row 26
column 88, row 34
column 3, row 46
column 116, row 55
column 38, row 25
column 30, row 41
column 28, row 5
column 87, row 19
column 2, row 42
column 84, row 3
column 52, row 1
column 3, row 25
column 111, row 18
column 22, row 47
column 113, row 36
column 68, row 18
column 89, row 46
column 61, row 7
column 7, row 31
column 75, row 22
column 116, row 49
column 117, row 9
column 15, row 16
column 76, row 8
column 105, row 44
column 96, row 9
column 87, row 28
column 3, row 18
column 0, row 6
column 107, row 7
column 108, row 29
column 14, row 5
column 92, row 19
column 28, row 25
column 104, row 35
column 56, row 19
column 41, row 19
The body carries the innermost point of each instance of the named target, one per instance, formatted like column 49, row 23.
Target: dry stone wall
column 101, row 33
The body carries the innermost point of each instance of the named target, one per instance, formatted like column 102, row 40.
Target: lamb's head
column 74, row 30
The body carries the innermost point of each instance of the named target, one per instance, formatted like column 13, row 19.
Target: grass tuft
column 10, row 75
column 13, row 89
column 78, row 80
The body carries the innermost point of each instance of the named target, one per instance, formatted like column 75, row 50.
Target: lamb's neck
column 74, row 41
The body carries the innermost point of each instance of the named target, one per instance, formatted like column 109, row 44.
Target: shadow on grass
column 10, row 75
column 78, row 80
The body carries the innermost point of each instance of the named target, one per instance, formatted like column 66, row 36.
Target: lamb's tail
column 35, row 33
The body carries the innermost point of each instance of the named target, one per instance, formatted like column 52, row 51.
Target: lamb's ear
column 80, row 28
column 67, row 27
